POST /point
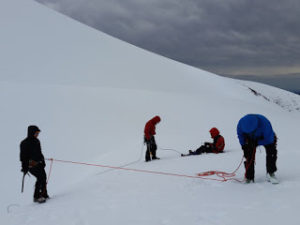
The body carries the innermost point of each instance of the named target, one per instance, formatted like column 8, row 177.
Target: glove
column 250, row 142
column 244, row 147
column 146, row 141
column 24, row 169
column 207, row 144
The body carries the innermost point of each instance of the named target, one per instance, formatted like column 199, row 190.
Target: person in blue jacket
column 254, row 130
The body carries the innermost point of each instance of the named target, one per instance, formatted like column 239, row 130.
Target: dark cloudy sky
column 227, row 37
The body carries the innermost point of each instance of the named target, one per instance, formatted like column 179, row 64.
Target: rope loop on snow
column 224, row 175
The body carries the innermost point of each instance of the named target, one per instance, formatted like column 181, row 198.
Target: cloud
column 217, row 35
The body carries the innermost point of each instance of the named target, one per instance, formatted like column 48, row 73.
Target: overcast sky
column 233, row 37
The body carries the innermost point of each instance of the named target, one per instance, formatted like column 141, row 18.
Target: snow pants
column 271, row 158
column 202, row 149
column 151, row 149
column 41, row 180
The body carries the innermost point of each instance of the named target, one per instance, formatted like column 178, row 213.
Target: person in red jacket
column 149, row 139
column 216, row 147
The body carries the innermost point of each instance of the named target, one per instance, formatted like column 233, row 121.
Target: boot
column 248, row 181
column 272, row 178
column 39, row 200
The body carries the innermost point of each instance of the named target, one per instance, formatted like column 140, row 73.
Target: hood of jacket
column 249, row 123
column 32, row 130
column 155, row 120
column 214, row 132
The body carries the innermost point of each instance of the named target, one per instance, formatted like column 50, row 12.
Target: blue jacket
column 258, row 126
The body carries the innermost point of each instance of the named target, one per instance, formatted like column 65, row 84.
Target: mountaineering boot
column 272, row 178
column 190, row 153
column 153, row 158
column 248, row 181
column 46, row 196
column 39, row 200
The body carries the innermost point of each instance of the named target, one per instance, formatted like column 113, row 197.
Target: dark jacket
column 30, row 149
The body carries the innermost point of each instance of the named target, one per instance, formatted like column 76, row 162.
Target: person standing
column 254, row 130
column 33, row 162
column 149, row 139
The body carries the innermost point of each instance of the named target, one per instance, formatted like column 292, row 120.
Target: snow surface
column 91, row 95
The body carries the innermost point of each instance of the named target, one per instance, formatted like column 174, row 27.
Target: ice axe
column 23, row 179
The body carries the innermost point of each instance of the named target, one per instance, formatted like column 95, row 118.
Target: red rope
column 140, row 170
column 229, row 176
column 224, row 175
column 50, row 170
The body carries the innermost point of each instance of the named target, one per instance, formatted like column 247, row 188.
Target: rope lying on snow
column 223, row 175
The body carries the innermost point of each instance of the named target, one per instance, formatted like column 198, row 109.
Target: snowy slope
column 91, row 95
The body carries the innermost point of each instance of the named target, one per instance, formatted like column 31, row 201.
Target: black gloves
column 24, row 168
column 245, row 147
column 146, row 141
column 250, row 145
column 207, row 144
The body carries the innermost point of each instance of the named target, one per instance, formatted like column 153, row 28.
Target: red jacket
column 149, row 130
column 219, row 142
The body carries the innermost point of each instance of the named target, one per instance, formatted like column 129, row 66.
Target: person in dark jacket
column 33, row 161
column 149, row 139
column 217, row 146
column 254, row 130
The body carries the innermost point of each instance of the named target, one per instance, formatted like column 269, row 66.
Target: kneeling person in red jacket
column 216, row 147
column 149, row 138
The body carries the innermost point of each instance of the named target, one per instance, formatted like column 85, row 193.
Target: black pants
column 41, row 181
column 201, row 149
column 271, row 158
column 151, row 149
